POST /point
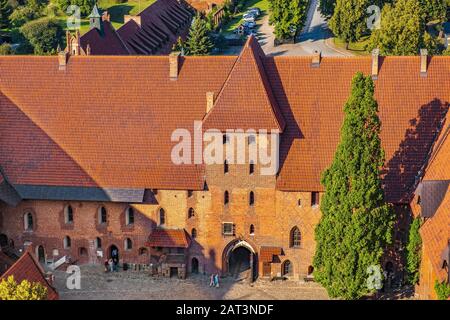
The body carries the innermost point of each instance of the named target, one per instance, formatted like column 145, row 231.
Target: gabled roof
column 246, row 100
column 107, row 122
column 104, row 42
column 104, row 122
column 169, row 238
column 161, row 24
column 27, row 268
column 439, row 164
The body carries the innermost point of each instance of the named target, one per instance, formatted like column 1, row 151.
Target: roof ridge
column 249, row 47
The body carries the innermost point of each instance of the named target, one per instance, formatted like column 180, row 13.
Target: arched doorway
column 41, row 254
column 240, row 260
column 113, row 252
column 194, row 265
column 3, row 240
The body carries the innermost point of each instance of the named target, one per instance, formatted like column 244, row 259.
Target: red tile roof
column 435, row 231
column 246, row 93
column 435, row 234
column 266, row 254
column 107, row 121
column 27, row 268
column 439, row 164
column 93, row 130
column 312, row 100
column 169, row 238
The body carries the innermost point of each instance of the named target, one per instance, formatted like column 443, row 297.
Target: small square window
column 228, row 228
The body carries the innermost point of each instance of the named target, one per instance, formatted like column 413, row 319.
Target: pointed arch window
column 226, row 198
column 295, row 238
column 226, row 169
column 162, row 217
column 251, row 199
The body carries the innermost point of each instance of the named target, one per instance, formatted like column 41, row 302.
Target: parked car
column 249, row 24
column 249, row 18
column 256, row 11
column 249, row 15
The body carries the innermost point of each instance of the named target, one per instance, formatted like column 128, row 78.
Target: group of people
column 214, row 280
column 112, row 264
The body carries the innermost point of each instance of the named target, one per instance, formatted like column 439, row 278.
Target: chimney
column 375, row 60
column 106, row 16
column 423, row 62
column 136, row 19
column 63, row 57
column 317, row 56
column 174, row 59
column 88, row 50
column 209, row 101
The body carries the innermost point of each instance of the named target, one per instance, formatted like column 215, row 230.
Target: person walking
column 111, row 265
column 211, row 280
column 216, row 280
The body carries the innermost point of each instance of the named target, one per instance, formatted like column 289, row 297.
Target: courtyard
column 134, row 285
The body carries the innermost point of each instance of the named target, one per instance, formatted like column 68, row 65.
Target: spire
column 95, row 18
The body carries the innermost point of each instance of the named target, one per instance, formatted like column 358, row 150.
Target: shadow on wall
column 402, row 170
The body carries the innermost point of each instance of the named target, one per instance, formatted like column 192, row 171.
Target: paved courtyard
column 129, row 285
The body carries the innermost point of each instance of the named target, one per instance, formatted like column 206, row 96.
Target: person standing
column 211, row 280
column 216, row 280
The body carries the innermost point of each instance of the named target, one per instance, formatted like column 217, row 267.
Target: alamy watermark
column 234, row 146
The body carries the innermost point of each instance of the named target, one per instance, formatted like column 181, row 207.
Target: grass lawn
column 263, row 5
column 358, row 48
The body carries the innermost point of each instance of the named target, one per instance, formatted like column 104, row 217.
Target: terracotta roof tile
column 266, row 254
column 27, row 268
column 435, row 234
column 85, row 127
column 246, row 100
column 169, row 238
column 312, row 100
column 107, row 121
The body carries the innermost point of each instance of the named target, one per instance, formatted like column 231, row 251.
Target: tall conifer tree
column 356, row 223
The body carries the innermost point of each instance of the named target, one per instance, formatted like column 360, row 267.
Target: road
column 314, row 36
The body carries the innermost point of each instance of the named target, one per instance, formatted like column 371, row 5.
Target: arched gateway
column 239, row 259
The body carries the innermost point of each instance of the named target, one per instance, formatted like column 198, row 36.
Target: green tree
column 11, row 290
column 349, row 20
column 326, row 7
column 433, row 10
column 287, row 17
column 356, row 223
column 5, row 11
column 442, row 290
column 85, row 5
column 22, row 15
column 413, row 252
column 432, row 44
column 198, row 42
column 401, row 31
column 5, row 49
column 43, row 34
